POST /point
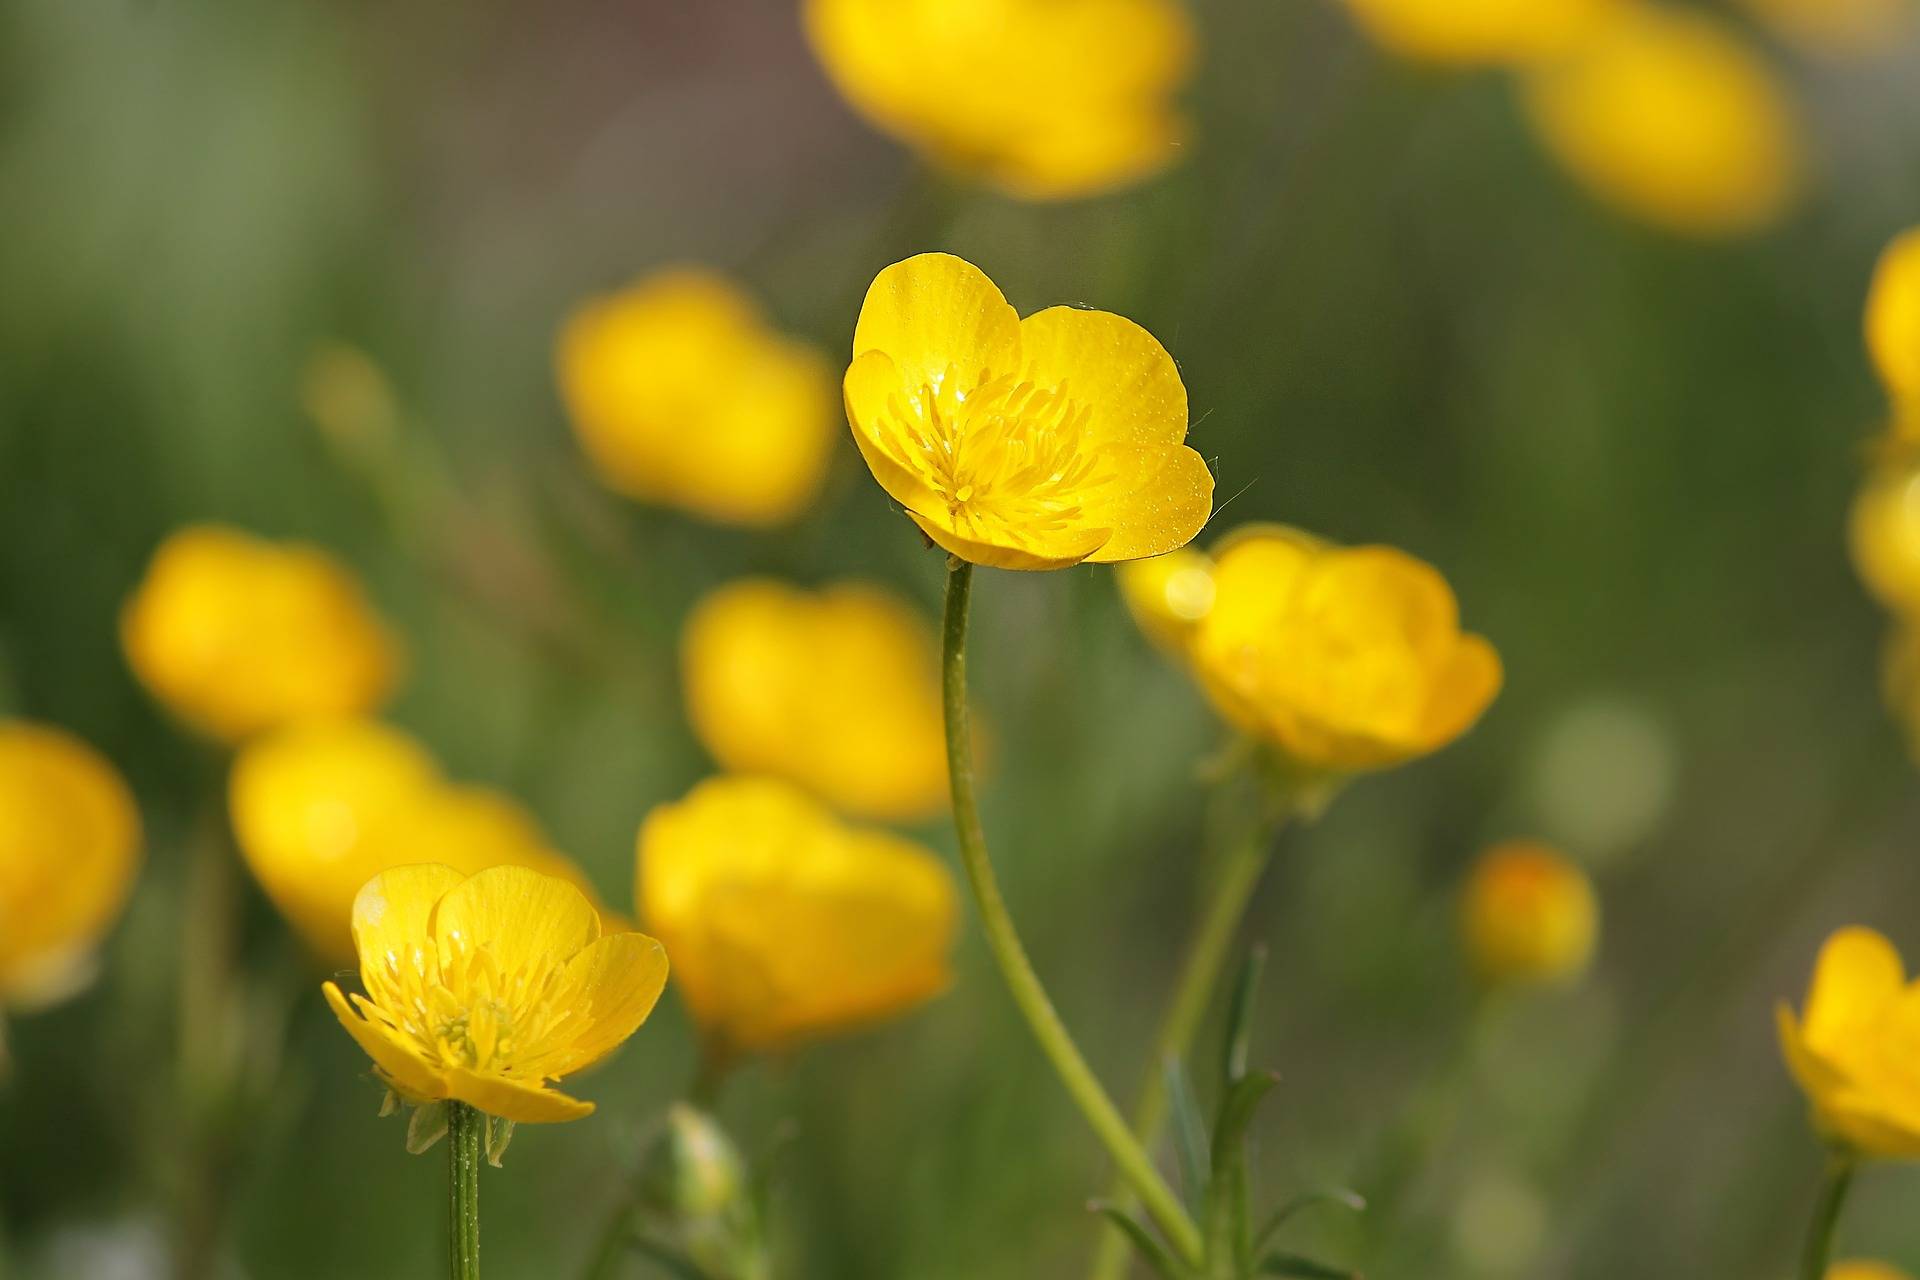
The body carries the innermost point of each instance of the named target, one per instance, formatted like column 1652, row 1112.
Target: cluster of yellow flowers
column 1659, row 110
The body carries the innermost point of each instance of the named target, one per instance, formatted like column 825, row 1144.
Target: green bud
column 693, row 1169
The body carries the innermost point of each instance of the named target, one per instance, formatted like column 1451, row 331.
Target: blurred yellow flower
column 1893, row 323
column 1479, row 32
column 1022, row 444
column 1900, row 680
column 1529, row 915
column 1044, row 99
column 838, row 691
column 1839, row 26
column 1863, row 1270
column 320, row 808
column 682, row 395
column 1342, row 658
column 1884, row 533
column 69, row 851
column 784, row 924
column 484, row 988
column 1666, row 114
column 235, row 634
column 1853, row 1050
column 1168, row 595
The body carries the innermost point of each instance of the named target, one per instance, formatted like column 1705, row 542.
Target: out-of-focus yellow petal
column 1480, row 32
column 1883, row 532
column 531, row 922
column 1857, row 975
column 522, row 1102
column 1861, row 1269
column 1667, row 115
column 69, row 851
column 941, row 322
column 1168, row 595
column 1893, row 318
column 391, row 919
column 1853, row 1050
column 398, row 1059
column 1465, row 687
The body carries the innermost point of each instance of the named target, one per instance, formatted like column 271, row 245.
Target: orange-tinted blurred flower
column 1480, row 32
column 318, row 809
column 1044, row 99
column 485, row 988
column 784, row 924
column 1839, row 26
column 235, row 634
column 1666, row 114
column 1341, row 658
column 1022, row 444
column 837, row 690
column 1893, row 326
column 1853, row 1049
column 682, row 395
column 69, row 851
column 1529, row 915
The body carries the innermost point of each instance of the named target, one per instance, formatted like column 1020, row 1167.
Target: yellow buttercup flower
column 235, row 634
column 1529, row 915
column 1667, row 115
column 1883, row 532
column 837, row 690
column 1479, row 32
column 1044, row 99
column 1022, row 444
column 784, row 924
column 69, row 851
column 1859, row 1269
column 484, row 988
column 1341, row 658
column 1893, row 324
column 682, row 395
column 1168, row 595
column 319, row 808
column 1839, row 26
column 1855, row 1048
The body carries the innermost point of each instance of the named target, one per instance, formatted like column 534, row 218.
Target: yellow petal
column 613, row 985
column 1055, row 551
column 513, row 1100
column 1111, row 368
column 1465, row 687
column 1857, row 977
column 1893, row 317
column 938, row 317
column 390, row 918
column 1819, row 1078
column 399, row 1063
column 1158, row 513
column 531, row 922
column 874, row 390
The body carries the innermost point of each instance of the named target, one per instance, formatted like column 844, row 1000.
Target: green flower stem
column 1004, row 941
column 1826, row 1215
column 466, row 1128
column 208, row 1043
column 1240, row 875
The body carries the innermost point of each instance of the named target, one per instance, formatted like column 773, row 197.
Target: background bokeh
column 1630, row 453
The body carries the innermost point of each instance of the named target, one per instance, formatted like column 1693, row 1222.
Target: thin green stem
column 465, row 1129
column 208, row 1043
column 1238, row 877
column 1826, row 1215
column 1016, row 969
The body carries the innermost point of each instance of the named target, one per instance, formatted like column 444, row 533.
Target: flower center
column 464, row 1010
column 1008, row 457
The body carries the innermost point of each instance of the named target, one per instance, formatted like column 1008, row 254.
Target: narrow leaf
column 1143, row 1240
column 1227, row 1225
column 427, row 1126
column 1307, row 1200
column 1292, row 1264
column 1189, row 1131
column 1246, row 985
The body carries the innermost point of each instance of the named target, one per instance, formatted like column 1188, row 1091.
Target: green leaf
column 1143, row 1240
column 1307, row 1200
column 426, row 1126
column 1233, row 1058
column 1292, row 1264
column 499, row 1134
column 1189, row 1130
column 1227, row 1225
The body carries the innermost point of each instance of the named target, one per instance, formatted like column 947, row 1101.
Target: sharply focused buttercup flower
column 485, row 988
column 1342, row 658
column 1839, row 26
column 784, row 923
column 1893, row 325
column 681, row 394
column 837, row 690
column 236, row 634
column 1022, row 444
column 1667, row 115
column 319, row 808
column 69, row 851
column 1853, row 1050
column 1044, row 99
column 1529, row 915
column 1479, row 32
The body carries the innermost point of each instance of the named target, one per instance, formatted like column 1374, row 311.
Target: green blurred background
column 1631, row 454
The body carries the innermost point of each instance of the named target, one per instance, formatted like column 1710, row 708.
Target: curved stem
column 1239, row 876
column 1826, row 1215
column 465, row 1127
column 1016, row 969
